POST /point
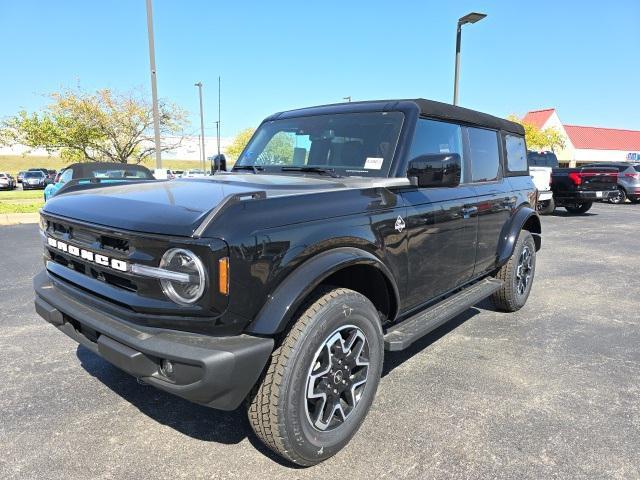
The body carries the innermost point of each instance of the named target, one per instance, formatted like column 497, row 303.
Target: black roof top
column 85, row 169
column 427, row 108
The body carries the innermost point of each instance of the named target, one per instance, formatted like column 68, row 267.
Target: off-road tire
column 547, row 207
column 509, row 298
column 277, row 407
column 579, row 208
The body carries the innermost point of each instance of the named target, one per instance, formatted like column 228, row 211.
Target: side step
column 401, row 335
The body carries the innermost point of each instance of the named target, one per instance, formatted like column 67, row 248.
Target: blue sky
column 580, row 57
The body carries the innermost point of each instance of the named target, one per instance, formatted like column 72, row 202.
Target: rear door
column 441, row 234
column 494, row 199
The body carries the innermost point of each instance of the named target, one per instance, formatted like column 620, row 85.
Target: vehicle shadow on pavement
column 395, row 359
column 563, row 213
column 196, row 421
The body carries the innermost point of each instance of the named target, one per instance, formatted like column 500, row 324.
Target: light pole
column 199, row 85
column 154, row 87
column 218, row 134
column 472, row 17
column 348, row 99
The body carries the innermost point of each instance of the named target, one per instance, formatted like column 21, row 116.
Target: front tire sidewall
column 309, row 443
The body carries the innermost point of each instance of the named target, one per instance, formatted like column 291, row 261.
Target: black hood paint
column 175, row 207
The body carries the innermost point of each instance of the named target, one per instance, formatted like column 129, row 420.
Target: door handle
column 468, row 211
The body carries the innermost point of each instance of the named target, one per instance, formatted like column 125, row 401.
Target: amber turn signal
column 223, row 276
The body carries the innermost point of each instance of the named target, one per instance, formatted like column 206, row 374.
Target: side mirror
column 436, row 170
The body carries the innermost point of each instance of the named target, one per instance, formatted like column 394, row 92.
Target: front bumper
column 217, row 372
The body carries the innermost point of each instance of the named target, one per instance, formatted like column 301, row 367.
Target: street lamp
column 348, row 99
column 472, row 17
column 199, row 85
column 154, row 87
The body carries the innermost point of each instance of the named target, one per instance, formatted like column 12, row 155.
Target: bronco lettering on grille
column 88, row 255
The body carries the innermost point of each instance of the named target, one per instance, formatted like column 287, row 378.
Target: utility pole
column 154, row 87
column 199, row 85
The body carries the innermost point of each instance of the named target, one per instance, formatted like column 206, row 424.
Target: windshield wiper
column 253, row 168
column 325, row 171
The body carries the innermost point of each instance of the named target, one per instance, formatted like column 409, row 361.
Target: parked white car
column 194, row 173
column 7, row 181
column 163, row 174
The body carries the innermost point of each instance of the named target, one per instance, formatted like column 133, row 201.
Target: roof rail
column 223, row 205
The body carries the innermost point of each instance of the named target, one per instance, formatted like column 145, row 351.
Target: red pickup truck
column 577, row 188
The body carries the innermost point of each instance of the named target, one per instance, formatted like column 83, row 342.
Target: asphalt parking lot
column 551, row 391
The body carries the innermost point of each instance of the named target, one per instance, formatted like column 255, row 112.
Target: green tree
column 238, row 143
column 99, row 126
column 537, row 139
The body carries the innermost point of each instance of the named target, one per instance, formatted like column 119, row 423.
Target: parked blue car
column 77, row 174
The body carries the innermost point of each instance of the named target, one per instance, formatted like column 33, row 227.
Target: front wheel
column 579, row 208
column 517, row 275
column 322, row 378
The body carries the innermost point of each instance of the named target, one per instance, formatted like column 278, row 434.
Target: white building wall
column 583, row 155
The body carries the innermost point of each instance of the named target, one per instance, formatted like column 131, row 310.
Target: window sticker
column 374, row 163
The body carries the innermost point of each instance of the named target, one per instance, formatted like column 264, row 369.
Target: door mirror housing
column 435, row 170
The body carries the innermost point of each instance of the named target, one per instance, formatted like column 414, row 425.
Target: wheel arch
column 526, row 218
column 347, row 267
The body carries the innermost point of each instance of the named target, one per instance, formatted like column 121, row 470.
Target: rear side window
column 516, row 154
column 485, row 156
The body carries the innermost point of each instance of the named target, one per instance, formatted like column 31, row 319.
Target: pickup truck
column 342, row 231
column 576, row 189
column 542, row 180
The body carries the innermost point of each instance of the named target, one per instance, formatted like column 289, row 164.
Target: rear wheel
column 546, row 207
column 517, row 275
column 321, row 380
column 579, row 207
column 619, row 197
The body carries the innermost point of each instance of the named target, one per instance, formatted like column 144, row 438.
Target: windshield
column 358, row 144
column 33, row 175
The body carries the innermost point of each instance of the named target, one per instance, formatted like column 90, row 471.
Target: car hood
column 175, row 207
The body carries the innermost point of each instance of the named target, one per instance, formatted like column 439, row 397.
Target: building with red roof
column 588, row 144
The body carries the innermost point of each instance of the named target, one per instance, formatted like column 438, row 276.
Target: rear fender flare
column 511, row 231
column 283, row 302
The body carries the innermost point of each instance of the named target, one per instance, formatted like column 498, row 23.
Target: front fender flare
column 283, row 302
column 509, row 236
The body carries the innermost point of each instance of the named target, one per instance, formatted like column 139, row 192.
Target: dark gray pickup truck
column 577, row 188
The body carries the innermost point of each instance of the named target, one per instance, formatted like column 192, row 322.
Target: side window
column 66, row 175
column 485, row 156
column 516, row 153
column 433, row 136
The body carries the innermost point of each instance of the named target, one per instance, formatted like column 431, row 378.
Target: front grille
column 95, row 241
column 88, row 237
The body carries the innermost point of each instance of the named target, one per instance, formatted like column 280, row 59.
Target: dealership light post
column 202, row 153
column 154, row 87
column 472, row 17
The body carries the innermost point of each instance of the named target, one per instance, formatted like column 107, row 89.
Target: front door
column 441, row 225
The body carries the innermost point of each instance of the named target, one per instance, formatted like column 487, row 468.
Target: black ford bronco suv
column 342, row 231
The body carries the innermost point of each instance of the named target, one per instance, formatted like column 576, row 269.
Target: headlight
column 183, row 261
